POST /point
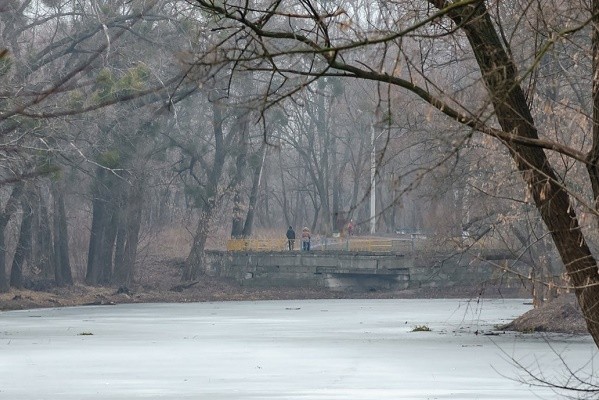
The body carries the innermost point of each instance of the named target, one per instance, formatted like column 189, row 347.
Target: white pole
column 262, row 165
column 372, row 183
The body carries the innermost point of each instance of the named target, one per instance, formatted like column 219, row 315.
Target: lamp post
column 373, row 180
column 372, row 183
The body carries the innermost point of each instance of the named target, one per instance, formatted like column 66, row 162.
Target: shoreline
column 214, row 289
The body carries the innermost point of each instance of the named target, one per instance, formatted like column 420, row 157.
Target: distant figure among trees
column 306, row 239
column 350, row 227
column 290, row 238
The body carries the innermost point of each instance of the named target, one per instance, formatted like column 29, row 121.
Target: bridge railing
column 342, row 244
column 256, row 244
column 369, row 245
column 380, row 245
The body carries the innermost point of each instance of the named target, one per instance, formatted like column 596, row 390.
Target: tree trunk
column 253, row 200
column 124, row 268
column 4, row 284
column 23, row 247
column 130, row 256
column 108, row 246
column 194, row 262
column 551, row 199
column 62, row 264
column 593, row 156
column 44, row 253
column 92, row 275
column 322, row 176
column 284, row 201
column 10, row 208
column 195, row 259
column 241, row 162
column 105, row 217
column 119, row 250
column 94, row 272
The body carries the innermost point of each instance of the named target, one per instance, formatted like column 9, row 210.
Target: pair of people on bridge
column 305, row 238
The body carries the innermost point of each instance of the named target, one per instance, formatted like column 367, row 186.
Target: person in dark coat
column 290, row 237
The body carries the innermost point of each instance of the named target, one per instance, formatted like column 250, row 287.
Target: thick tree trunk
column 553, row 202
column 322, row 177
column 44, row 253
column 94, row 270
column 287, row 213
column 124, row 266
column 253, row 200
column 242, row 149
column 11, row 207
column 195, row 260
column 130, row 255
column 105, row 218
column 108, row 246
column 23, row 247
column 119, row 251
column 62, row 264
column 99, row 207
column 593, row 156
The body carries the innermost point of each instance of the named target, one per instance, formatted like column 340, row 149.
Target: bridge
column 361, row 270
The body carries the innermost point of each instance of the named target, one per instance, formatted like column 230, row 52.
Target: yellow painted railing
column 256, row 244
column 353, row 244
column 370, row 245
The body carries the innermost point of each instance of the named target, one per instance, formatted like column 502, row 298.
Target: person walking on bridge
column 306, row 239
column 290, row 238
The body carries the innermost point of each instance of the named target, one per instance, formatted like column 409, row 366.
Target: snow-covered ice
column 308, row 349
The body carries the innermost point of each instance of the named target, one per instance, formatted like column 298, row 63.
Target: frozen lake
column 309, row 350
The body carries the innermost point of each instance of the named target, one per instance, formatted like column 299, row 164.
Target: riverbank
column 208, row 289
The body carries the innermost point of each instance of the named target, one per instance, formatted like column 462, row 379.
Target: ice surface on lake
column 309, row 350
